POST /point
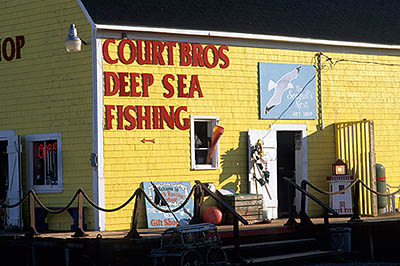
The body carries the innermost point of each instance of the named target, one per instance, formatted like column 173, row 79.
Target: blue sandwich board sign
column 175, row 193
column 287, row 91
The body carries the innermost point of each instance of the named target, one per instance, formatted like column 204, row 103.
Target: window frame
column 29, row 139
column 215, row 161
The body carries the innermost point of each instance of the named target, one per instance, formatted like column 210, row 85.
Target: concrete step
column 273, row 248
column 269, row 244
column 290, row 257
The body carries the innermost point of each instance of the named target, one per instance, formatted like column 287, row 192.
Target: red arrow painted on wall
column 148, row 140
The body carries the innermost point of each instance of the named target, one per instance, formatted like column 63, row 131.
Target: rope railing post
column 304, row 219
column 326, row 217
column 198, row 202
column 356, row 203
column 236, row 238
column 303, row 197
column 79, row 232
column 133, row 233
column 32, row 229
column 291, row 221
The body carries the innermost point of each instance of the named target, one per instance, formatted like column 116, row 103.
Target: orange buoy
column 212, row 215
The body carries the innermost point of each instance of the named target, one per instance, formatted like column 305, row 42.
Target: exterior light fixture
column 73, row 43
column 339, row 168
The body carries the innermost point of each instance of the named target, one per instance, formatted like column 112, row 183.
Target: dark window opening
column 202, row 141
column 45, row 162
column 3, row 170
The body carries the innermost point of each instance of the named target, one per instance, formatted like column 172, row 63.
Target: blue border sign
column 175, row 194
column 287, row 91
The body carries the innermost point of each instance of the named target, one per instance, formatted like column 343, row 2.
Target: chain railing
column 199, row 190
column 354, row 185
column 139, row 193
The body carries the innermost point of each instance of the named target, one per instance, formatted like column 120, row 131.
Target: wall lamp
column 73, row 43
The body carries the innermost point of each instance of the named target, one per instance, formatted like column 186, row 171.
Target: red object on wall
column 217, row 132
column 212, row 215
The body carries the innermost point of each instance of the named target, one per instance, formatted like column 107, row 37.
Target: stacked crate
column 250, row 206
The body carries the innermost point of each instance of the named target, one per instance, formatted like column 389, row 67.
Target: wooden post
column 356, row 203
column 319, row 90
column 198, row 203
column 133, row 233
column 291, row 221
column 304, row 219
column 79, row 232
column 32, row 230
column 236, row 237
column 372, row 160
column 326, row 218
column 303, row 198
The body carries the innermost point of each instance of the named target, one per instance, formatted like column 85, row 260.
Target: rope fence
column 355, row 181
column 81, row 194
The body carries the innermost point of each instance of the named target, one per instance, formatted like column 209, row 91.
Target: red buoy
column 212, row 215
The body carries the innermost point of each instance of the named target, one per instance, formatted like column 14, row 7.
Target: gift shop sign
column 139, row 85
column 175, row 194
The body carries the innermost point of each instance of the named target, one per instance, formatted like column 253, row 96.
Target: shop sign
column 139, row 85
column 10, row 47
column 287, row 91
column 175, row 193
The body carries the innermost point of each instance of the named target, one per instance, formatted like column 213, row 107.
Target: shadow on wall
column 321, row 147
column 321, row 155
column 234, row 166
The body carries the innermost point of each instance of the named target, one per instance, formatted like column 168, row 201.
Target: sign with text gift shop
column 287, row 91
column 175, row 193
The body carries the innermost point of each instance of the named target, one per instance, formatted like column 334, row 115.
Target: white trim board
column 6, row 133
column 98, row 133
column 97, row 121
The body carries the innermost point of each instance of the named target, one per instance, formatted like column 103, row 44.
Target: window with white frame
column 201, row 132
column 44, row 162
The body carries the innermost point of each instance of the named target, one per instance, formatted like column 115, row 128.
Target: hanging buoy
column 212, row 215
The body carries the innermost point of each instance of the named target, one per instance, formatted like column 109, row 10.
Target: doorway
column 291, row 156
column 286, row 147
column 291, row 145
column 3, row 177
column 3, row 170
column 10, row 183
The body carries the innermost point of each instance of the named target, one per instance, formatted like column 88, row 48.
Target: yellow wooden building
column 139, row 100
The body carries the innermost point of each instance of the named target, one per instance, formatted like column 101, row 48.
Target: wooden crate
column 250, row 206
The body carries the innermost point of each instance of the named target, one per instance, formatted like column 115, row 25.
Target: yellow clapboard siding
column 232, row 94
column 49, row 91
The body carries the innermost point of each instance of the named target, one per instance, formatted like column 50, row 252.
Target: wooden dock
column 369, row 236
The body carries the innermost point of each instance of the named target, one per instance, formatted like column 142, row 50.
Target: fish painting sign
column 287, row 91
column 172, row 193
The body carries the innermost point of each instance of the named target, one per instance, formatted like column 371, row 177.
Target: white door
column 270, row 189
column 14, row 187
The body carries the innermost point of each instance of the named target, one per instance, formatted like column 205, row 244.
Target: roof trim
column 86, row 13
column 236, row 35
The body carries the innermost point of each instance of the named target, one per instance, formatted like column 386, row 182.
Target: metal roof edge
column 86, row 13
column 236, row 35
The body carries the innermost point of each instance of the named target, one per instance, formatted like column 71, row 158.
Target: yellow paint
column 48, row 90
column 351, row 91
column 353, row 140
